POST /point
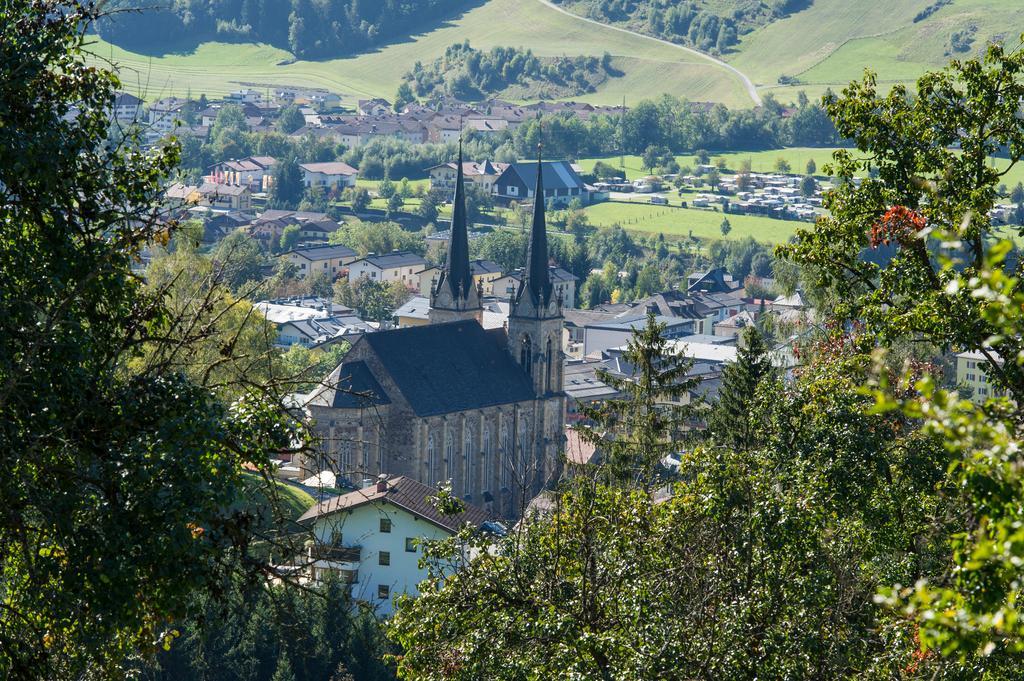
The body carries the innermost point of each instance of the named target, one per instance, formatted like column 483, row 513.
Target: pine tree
column 648, row 419
column 731, row 422
column 283, row 672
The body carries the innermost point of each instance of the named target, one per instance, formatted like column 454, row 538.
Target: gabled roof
column 446, row 368
column 333, row 168
column 557, row 174
column 393, row 259
column 350, row 386
column 405, row 493
column 213, row 189
column 126, row 99
column 322, row 252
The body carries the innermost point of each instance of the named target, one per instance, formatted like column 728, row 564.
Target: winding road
column 751, row 89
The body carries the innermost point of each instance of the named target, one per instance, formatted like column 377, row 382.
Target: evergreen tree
column 731, row 422
column 726, row 227
column 283, row 672
column 646, row 422
column 287, row 188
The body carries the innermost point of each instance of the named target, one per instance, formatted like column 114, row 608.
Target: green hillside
column 831, row 42
column 650, row 67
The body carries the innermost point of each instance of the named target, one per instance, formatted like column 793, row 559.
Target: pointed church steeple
column 454, row 297
column 536, row 278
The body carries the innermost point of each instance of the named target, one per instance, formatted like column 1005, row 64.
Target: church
column 451, row 400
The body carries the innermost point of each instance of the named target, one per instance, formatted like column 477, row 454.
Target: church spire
column 457, row 275
column 536, row 279
column 454, row 296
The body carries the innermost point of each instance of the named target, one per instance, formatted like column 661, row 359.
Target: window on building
column 526, row 355
column 385, row 525
column 383, row 591
column 410, row 545
column 468, row 462
column 431, row 460
column 384, row 558
column 506, row 456
column 548, row 367
column 449, row 453
column 488, row 480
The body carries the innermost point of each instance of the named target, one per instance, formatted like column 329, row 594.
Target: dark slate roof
column 322, row 252
column 557, row 174
column 456, row 275
column 405, row 493
column 394, row 259
column 351, row 386
column 446, row 368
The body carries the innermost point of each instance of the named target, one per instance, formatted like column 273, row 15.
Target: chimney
column 382, row 483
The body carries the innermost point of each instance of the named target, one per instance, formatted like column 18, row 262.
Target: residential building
column 165, row 115
column 563, row 183
column 482, row 173
column 485, row 272
column 310, row 260
column 127, row 109
column 403, row 266
column 372, row 537
column 254, row 172
column 583, row 387
column 416, row 312
column 602, row 336
column 451, row 400
column 334, row 174
column 716, row 280
column 373, row 107
column 563, row 281
column 225, row 196
column 971, row 374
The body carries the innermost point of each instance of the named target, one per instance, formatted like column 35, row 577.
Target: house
column 244, row 96
column 563, row 281
column 310, row 260
column 716, row 280
column 562, row 183
column 485, row 272
column 253, row 172
column 311, row 322
column 482, row 173
column 330, row 175
column 487, row 126
column 582, row 388
column 416, row 312
column 372, row 537
column 225, row 196
column 444, row 129
column 178, row 195
column 733, row 326
column 165, row 115
column 972, row 375
column 373, row 107
column 127, row 108
column 402, row 266
column 602, row 336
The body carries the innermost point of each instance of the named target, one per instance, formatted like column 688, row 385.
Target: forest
column 308, row 29
column 709, row 29
column 470, row 75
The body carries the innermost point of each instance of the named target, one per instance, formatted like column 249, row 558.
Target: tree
column 239, row 260
column 505, row 247
column 427, row 209
column 290, row 237
column 386, row 188
column 808, row 186
column 714, row 178
column 360, row 200
column 290, row 119
column 478, row 202
column 732, row 421
column 646, row 423
column 288, row 184
column 812, row 167
column 1017, row 193
column 652, row 157
column 382, row 237
column 404, row 96
column 395, row 204
column 726, row 227
column 603, row 171
column 782, row 165
column 702, row 157
column 119, row 466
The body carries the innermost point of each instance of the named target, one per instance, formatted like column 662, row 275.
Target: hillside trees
column 121, row 471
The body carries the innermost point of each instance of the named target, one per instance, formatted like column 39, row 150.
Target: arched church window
column 431, row 460
column 468, row 462
column 449, row 454
column 550, row 367
column 526, row 355
column 525, row 447
column 488, row 480
column 506, row 455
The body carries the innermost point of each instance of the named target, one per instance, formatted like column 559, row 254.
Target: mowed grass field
column 679, row 223
column 833, row 41
column 650, row 68
column 764, row 162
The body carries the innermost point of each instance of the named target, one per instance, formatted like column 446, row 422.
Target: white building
column 127, row 108
column 333, row 174
column 165, row 115
column 371, row 537
column 400, row 266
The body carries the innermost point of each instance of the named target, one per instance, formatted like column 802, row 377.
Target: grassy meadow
column 649, row 67
column 678, row 223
